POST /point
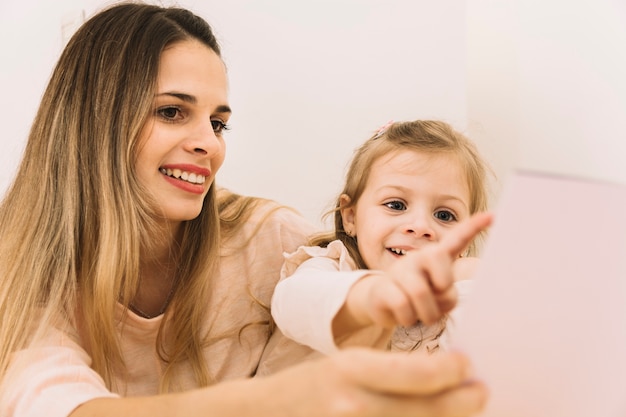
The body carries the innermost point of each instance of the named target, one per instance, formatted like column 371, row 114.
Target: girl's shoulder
column 335, row 254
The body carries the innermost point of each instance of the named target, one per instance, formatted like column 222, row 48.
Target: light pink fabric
column 54, row 377
column 314, row 285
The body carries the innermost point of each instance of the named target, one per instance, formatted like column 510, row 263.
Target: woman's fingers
column 370, row 383
column 414, row 385
column 399, row 373
column 466, row 400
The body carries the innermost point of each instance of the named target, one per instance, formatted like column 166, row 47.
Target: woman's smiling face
column 182, row 144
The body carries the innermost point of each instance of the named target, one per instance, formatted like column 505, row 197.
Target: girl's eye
column 445, row 216
column 396, row 205
column 170, row 113
column 219, row 126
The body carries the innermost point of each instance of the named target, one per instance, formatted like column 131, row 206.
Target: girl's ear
column 347, row 214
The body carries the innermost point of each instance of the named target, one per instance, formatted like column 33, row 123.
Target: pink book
column 545, row 324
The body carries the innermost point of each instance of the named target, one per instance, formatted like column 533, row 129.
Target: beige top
column 54, row 377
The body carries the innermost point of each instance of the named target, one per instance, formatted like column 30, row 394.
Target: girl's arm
column 314, row 288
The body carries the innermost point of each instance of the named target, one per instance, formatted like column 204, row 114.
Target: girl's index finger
column 463, row 234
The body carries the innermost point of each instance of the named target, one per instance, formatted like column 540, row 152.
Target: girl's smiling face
column 411, row 199
column 182, row 144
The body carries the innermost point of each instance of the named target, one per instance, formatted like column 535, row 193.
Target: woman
column 131, row 286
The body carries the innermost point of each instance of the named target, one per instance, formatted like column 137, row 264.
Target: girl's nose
column 421, row 227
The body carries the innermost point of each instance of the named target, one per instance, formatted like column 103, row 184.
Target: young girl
column 396, row 248
column 131, row 286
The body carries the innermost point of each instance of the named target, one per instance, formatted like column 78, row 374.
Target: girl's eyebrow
column 188, row 98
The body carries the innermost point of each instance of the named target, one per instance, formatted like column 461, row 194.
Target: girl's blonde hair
column 75, row 222
column 430, row 136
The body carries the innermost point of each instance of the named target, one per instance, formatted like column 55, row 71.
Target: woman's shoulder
column 238, row 208
column 245, row 218
column 270, row 214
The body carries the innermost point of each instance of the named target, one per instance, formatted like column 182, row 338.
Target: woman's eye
column 219, row 126
column 396, row 205
column 170, row 113
column 445, row 216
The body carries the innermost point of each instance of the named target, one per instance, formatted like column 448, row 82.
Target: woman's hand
column 369, row 383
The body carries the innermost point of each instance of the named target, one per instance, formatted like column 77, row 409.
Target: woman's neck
column 157, row 281
column 156, row 288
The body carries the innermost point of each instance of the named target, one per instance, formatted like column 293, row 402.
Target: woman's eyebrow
column 223, row 109
column 181, row 96
column 188, row 98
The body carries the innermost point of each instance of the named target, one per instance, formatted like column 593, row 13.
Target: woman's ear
column 347, row 214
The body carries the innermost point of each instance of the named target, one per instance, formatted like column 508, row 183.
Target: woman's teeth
column 183, row 175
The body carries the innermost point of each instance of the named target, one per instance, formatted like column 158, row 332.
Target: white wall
column 538, row 84
column 312, row 80
column 547, row 85
column 309, row 81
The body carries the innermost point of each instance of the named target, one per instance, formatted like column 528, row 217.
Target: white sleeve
column 305, row 304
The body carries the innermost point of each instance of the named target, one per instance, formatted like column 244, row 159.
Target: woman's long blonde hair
column 431, row 136
column 75, row 221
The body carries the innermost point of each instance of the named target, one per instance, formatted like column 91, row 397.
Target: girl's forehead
column 414, row 158
column 408, row 168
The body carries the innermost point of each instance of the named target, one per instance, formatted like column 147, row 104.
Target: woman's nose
column 204, row 140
